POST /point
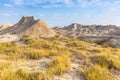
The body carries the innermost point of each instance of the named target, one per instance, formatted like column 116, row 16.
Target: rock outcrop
column 76, row 30
column 30, row 26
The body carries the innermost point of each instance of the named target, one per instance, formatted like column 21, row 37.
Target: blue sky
column 62, row 12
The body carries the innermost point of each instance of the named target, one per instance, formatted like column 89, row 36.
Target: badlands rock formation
column 76, row 30
column 109, row 34
column 30, row 26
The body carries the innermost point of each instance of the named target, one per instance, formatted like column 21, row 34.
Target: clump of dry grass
column 102, row 61
column 60, row 65
column 97, row 73
column 4, row 65
column 21, row 74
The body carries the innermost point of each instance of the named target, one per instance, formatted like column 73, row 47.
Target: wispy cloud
column 86, row 3
column 17, row 2
column 6, row 14
column 8, row 5
column 49, row 3
column 39, row 3
column 60, row 3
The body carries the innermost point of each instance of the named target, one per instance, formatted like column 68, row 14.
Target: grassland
column 58, row 58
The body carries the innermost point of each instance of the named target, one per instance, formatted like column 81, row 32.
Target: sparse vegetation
column 97, row 73
column 29, row 41
column 102, row 61
column 4, row 65
column 97, row 62
column 59, row 65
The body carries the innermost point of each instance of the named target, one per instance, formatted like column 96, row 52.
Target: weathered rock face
column 110, row 34
column 40, row 28
column 76, row 30
column 30, row 26
column 23, row 25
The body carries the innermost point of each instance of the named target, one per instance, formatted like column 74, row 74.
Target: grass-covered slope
column 58, row 58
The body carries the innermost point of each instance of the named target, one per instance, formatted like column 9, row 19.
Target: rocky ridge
column 76, row 30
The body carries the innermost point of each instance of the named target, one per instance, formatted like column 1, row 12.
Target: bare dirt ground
column 8, row 38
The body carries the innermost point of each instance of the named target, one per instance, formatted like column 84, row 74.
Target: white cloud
column 43, row 3
column 8, row 5
column 6, row 14
column 64, row 3
column 17, row 2
column 86, row 3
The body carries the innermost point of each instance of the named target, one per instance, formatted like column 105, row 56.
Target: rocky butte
column 29, row 26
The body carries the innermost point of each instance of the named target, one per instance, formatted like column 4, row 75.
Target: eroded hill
column 108, row 35
column 76, row 30
column 31, row 27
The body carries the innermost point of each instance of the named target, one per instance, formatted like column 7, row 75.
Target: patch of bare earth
column 30, row 65
column 34, row 65
column 116, row 74
column 73, row 73
column 8, row 38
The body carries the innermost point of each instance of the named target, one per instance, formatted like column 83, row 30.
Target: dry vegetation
column 98, row 63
